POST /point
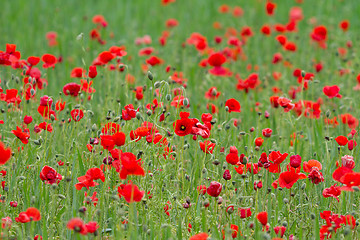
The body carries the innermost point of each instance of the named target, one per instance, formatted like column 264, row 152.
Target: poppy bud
column 267, row 132
column 227, row 175
column 138, row 116
column 348, row 161
column 186, row 205
column 220, row 200
column 82, row 209
column 252, row 129
column 168, row 97
column 216, row 162
column 186, row 102
column 157, row 84
column 262, row 217
column 303, row 73
column 214, row 189
column 28, row 119
column 150, row 76
column 230, row 209
column 206, row 203
column 251, row 225
column 295, row 161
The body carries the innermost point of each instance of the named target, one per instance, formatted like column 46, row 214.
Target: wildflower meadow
column 179, row 119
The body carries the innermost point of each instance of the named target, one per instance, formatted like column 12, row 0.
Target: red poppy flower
column 315, row 175
column 290, row 46
column 46, row 126
column 130, row 192
column 344, row 25
column 60, row 106
column 265, row 29
column 28, row 119
column 350, row 179
column 244, row 212
column 5, row 154
column 49, row 175
column 49, row 60
column 77, row 114
column 341, row 140
column 184, row 125
column 232, row 158
column 130, row 165
column 262, row 217
column 31, row 214
column 207, row 146
column 95, row 174
column 214, row 189
column 280, row 229
column 295, row 161
column 72, row 89
column 319, row 33
column 270, row 7
column 199, row 236
column 154, row 60
column 167, row 2
column 11, row 96
column 92, row 71
column 107, row 142
column 22, row 135
column 259, row 141
column 105, row 57
column 333, row 191
column 33, row 61
column 233, row 105
column 310, row 164
column 77, row 225
column 276, row 158
column 129, row 112
column 234, row 230
column 281, row 39
column 352, row 144
column 77, row 72
column 91, row 227
column 267, row 132
column 201, row 189
column 119, row 138
column 51, row 37
column 332, row 91
column 212, row 93
column 216, row 60
column 288, row 179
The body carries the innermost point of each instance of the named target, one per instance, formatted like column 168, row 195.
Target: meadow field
column 179, row 119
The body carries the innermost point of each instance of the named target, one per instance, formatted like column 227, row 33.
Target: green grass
column 175, row 180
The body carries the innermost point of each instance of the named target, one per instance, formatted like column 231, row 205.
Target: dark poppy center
column 182, row 127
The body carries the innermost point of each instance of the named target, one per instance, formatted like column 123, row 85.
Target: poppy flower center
column 182, row 127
